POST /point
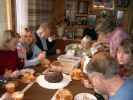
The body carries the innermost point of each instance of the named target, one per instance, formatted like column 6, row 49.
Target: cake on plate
column 52, row 75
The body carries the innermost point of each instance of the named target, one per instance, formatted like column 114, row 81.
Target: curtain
column 21, row 14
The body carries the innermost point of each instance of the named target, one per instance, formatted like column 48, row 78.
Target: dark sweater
column 39, row 42
column 51, row 49
column 9, row 60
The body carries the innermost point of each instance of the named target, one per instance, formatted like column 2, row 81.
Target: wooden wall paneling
column 59, row 11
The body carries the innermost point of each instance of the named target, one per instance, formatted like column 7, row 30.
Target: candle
column 10, row 87
column 17, row 95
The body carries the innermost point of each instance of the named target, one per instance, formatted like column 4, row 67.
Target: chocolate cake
column 53, row 76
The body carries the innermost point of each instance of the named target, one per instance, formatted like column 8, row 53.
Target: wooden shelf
column 82, row 26
column 81, row 15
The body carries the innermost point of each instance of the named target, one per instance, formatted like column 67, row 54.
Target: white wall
column 21, row 14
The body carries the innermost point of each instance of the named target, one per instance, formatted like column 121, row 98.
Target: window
column 21, row 14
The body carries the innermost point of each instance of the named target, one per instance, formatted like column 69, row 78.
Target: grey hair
column 107, row 66
column 6, row 37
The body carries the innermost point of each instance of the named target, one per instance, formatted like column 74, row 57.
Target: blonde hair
column 43, row 27
column 6, row 37
column 64, row 94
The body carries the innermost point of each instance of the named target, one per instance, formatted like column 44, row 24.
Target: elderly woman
column 33, row 54
column 9, row 60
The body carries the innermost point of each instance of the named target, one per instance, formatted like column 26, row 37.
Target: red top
column 9, row 60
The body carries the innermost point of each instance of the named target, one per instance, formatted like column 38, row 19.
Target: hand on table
column 45, row 62
column 11, row 74
column 42, row 56
column 58, row 51
column 8, row 73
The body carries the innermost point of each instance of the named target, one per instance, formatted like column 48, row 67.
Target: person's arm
column 32, row 62
column 36, row 59
column 37, row 51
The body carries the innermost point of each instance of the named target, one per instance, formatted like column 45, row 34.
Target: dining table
column 36, row 92
column 33, row 91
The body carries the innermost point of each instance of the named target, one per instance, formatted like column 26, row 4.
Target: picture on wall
column 107, row 4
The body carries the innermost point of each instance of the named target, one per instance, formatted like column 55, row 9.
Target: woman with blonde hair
column 9, row 60
column 33, row 54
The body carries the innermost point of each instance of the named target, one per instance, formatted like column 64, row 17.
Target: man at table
column 105, row 79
